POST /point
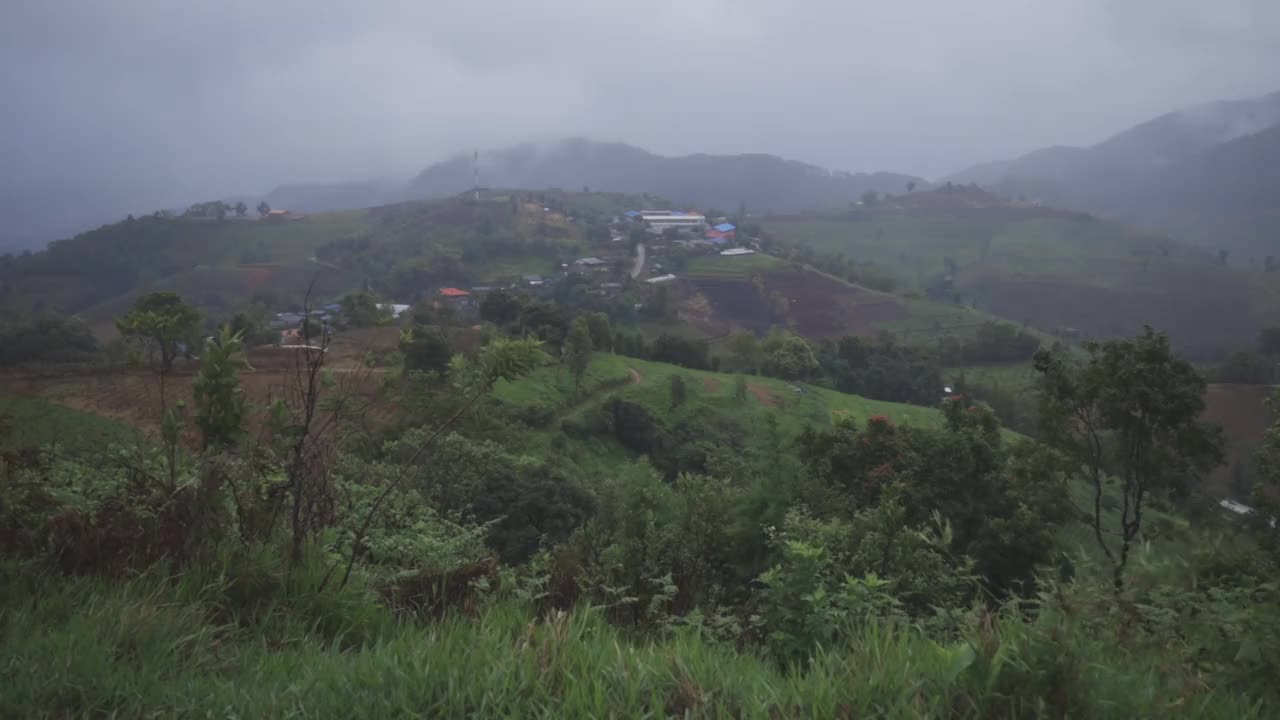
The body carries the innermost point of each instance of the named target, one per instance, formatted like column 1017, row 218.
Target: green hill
column 1065, row 273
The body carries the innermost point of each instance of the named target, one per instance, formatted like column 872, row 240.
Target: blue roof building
column 725, row 227
column 632, row 213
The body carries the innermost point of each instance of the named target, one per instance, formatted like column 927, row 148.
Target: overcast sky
column 204, row 96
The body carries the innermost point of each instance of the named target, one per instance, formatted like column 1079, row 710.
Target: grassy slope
column 913, row 248
column 27, row 423
column 711, row 391
column 1059, row 271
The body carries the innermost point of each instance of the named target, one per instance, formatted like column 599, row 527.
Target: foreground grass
column 250, row 645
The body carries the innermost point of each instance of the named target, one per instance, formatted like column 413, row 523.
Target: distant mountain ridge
column 764, row 183
column 1205, row 174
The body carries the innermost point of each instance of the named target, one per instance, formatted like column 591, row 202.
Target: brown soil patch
column 132, row 396
column 763, row 394
column 711, row 384
column 818, row 306
column 1244, row 417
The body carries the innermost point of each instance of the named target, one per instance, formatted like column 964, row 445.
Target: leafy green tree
column 686, row 352
column 1131, row 408
column 47, row 339
column 241, row 209
column 361, row 309
column 263, row 208
column 601, row 331
column 219, row 400
column 679, row 391
column 500, row 307
column 577, row 351
column 160, row 324
column 870, row 197
column 740, row 389
column 792, row 359
column 746, row 350
column 426, row 349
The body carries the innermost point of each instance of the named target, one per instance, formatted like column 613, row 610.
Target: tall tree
column 426, row 349
column 159, row 324
column 601, row 331
column 577, row 351
column 500, row 307
column 241, row 209
column 745, row 347
column 1131, row 408
column 263, row 208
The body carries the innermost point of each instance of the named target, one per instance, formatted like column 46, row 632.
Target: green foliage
column 1132, row 409
column 426, row 349
column 28, row 424
column 803, row 608
column 220, row 403
column 577, row 350
column 679, row 391
column 994, row 342
column 685, row 352
column 47, row 339
column 361, row 309
column 789, row 357
column 500, row 307
column 601, row 331
column 160, row 324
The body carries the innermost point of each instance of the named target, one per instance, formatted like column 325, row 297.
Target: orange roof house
column 450, row 292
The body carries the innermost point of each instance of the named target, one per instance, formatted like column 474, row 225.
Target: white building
column 660, row 220
column 737, row 251
column 660, row 279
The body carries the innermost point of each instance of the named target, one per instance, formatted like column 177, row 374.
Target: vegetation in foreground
column 737, row 558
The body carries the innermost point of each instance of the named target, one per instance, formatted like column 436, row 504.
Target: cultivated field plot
column 132, row 396
column 820, row 306
column 1242, row 412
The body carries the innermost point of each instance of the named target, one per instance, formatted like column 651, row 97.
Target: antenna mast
column 475, row 174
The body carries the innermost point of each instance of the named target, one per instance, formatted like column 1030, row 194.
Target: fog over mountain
column 137, row 104
column 1208, row 174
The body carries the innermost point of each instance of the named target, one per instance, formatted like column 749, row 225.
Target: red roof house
column 450, row 292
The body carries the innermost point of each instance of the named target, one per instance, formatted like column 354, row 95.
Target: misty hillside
column 765, row 183
column 321, row 197
column 1188, row 172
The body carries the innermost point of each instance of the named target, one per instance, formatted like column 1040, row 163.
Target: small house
column 660, row 279
column 737, row 251
column 452, row 293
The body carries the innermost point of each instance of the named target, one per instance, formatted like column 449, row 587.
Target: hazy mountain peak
column 762, row 182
